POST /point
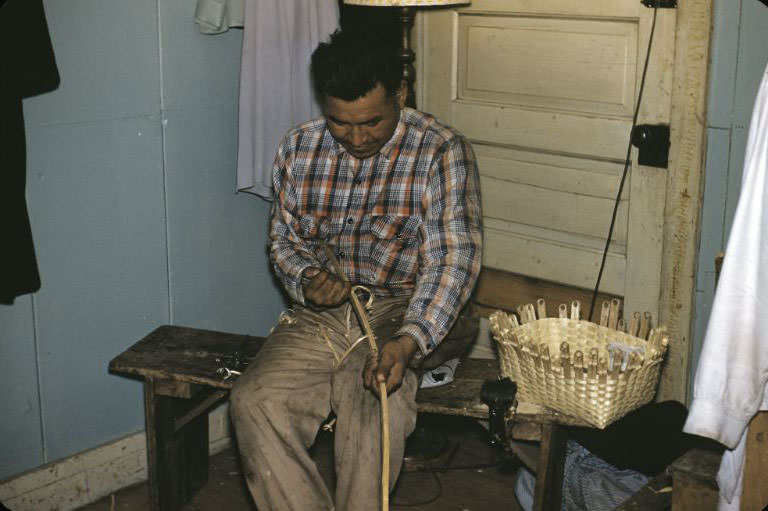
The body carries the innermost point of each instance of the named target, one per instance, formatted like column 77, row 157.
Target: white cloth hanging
column 275, row 86
column 732, row 376
column 217, row 16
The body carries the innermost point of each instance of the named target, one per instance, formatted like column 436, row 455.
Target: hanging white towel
column 275, row 86
column 217, row 16
column 732, row 375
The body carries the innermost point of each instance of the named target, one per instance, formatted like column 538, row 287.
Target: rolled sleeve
column 288, row 252
column 450, row 252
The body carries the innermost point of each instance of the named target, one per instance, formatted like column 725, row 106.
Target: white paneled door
column 546, row 91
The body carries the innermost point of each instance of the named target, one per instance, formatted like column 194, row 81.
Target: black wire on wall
column 627, row 162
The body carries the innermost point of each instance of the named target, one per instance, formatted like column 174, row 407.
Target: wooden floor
column 470, row 489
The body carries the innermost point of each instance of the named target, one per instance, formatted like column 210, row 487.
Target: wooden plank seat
column 178, row 367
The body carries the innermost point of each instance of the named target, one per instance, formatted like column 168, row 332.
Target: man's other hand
column 389, row 367
column 325, row 289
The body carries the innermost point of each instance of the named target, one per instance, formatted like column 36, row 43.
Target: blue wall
column 739, row 55
column 131, row 179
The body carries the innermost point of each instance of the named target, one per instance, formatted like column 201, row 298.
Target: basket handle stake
column 531, row 312
column 545, row 360
column 592, row 363
column 578, row 361
column 565, row 359
column 562, row 311
column 634, row 324
column 535, row 354
column 613, row 316
column 541, row 307
column 604, row 313
column 523, row 314
column 616, row 362
column 645, row 325
column 602, row 370
column 575, row 306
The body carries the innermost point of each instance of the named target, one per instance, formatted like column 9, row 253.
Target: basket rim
column 532, row 325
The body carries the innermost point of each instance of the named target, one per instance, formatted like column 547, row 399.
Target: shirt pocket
column 311, row 227
column 311, row 231
column 394, row 248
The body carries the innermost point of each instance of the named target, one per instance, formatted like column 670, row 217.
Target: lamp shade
column 405, row 3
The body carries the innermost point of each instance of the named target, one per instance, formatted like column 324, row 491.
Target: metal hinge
column 652, row 142
column 661, row 4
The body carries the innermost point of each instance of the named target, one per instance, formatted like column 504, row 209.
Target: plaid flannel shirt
column 405, row 221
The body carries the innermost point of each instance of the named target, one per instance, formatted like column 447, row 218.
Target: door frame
column 685, row 184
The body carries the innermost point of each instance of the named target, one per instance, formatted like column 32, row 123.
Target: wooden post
column 688, row 130
column 754, row 496
column 548, row 493
column 177, row 462
column 694, row 487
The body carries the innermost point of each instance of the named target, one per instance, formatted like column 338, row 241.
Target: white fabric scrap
column 441, row 375
column 732, row 375
column 217, row 16
column 614, row 348
column 275, row 86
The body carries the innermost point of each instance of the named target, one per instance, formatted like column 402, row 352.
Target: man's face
column 364, row 125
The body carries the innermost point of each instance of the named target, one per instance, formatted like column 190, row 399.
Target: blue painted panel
column 107, row 58
column 752, row 59
column 96, row 195
column 713, row 208
column 711, row 239
column 20, row 445
column 220, row 274
column 723, row 52
column 198, row 69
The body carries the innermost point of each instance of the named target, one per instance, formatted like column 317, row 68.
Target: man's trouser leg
column 290, row 388
column 357, row 441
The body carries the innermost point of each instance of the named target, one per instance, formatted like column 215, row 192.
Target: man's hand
column 389, row 367
column 325, row 289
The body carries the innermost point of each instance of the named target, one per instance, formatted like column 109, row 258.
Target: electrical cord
column 626, row 163
column 429, row 500
column 434, row 471
column 480, row 466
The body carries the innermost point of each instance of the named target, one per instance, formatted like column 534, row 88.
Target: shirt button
column 357, row 181
column 340, row 255
column 350, row 220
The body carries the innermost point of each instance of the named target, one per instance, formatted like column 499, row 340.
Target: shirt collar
column 397, row 137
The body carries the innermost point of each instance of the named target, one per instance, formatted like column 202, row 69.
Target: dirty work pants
column 288, row 391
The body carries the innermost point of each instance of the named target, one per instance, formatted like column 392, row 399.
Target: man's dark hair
column 352, row 64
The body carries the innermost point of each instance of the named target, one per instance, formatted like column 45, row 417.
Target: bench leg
column 177, row 462
column 548, row 493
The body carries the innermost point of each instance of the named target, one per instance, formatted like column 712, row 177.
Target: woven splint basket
column 596, row 372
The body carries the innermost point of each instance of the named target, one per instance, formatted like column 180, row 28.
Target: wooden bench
column 178, row 368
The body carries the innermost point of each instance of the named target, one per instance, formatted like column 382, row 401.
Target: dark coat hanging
column 27, row 68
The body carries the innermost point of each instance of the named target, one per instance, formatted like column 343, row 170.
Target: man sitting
column 396, row 194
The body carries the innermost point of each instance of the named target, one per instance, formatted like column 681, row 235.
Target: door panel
column 570, row 64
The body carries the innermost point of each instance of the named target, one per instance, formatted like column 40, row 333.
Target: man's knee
column 243, row 400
